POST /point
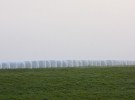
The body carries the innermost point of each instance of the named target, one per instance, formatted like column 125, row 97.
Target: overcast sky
column 67, row 29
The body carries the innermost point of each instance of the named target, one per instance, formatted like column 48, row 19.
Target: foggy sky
column 67, row 29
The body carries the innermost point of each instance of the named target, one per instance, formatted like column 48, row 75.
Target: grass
column 115, row 83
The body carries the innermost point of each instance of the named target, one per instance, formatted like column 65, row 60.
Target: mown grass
column 115, row 83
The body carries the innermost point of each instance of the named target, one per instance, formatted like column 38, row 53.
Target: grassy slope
column 68, row 84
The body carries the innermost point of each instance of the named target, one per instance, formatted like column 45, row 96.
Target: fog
column 67, row 29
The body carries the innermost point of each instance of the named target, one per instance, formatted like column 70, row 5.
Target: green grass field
column 115, row 83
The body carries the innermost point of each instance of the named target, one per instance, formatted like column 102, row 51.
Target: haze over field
column 67, row 29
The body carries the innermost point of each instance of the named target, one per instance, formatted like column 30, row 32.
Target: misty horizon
column 69, row 29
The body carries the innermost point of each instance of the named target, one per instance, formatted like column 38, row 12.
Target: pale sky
column 67, row 29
